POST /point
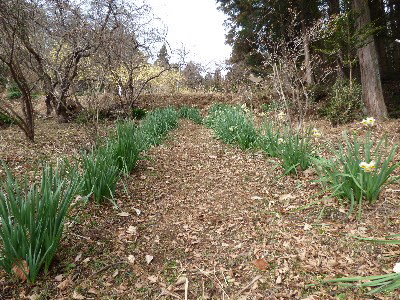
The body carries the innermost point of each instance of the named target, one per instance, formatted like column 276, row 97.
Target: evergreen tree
column 163, row 57
column 192, row 75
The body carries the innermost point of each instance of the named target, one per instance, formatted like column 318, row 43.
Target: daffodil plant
column 295, row 150
column 233, row 125
column 358, row 171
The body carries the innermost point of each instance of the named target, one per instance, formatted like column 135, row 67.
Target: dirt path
column 202, row 200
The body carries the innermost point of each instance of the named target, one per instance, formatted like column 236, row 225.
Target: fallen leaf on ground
column 279, row 280
column 115, row 273
column 64, row 284
column 260, row 264
column 132, row 230
column 93, row 291
column 286, row 197
column 181, row 280
column 131, row 259
column 33, row 297
column 78, row 257
column 21, row 269
column 309, row 172
column 86, row 260
column 59, row 277
column 152, row 278
column 149, row 258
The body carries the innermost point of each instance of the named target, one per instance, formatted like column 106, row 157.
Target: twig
column 221, row 285
column 186, row 288
column 248, row 286
column 202, row 285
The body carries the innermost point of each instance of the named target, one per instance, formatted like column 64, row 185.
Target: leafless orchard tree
column 17, row 59
column 124, row 54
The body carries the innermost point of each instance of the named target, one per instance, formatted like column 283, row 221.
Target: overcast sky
column 198, row 25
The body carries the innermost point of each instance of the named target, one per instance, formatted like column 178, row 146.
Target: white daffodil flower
column 368, row 168
column 363, row 165
column 316, row 133
column 370, row 121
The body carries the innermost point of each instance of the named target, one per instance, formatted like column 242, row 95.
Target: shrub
column 100, row 173
column 271, row 106
column 85, row 116
column 358, row 171
column 344, row 102
column 232, row 125
column 32, row 219
column 138, row 113
column 295, row 151
column 191, row 113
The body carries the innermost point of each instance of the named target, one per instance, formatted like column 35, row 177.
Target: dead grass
column 206, row 212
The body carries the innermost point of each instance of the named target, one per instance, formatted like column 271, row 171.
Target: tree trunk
column 381, row 38
column 370, row 76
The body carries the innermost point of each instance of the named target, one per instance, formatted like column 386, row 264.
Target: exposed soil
column 205, row 219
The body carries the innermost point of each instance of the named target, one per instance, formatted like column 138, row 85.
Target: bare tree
column 15, row 57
